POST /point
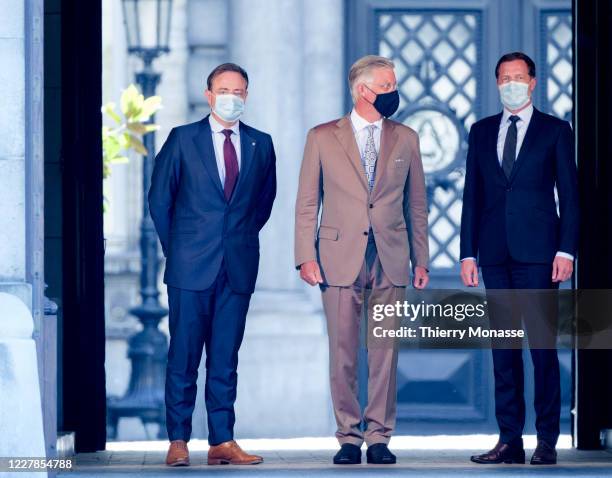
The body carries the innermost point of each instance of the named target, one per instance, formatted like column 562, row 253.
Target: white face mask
column 514, row 94
column 228, row 107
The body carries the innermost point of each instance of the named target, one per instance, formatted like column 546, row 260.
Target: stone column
column 292, row 50
column 266, row 38
column 21, row 420
column 12, row 153
column 324, row 78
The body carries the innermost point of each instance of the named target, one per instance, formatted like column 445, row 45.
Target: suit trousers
column 344, row 307
column 537, row 308
column 213, row 318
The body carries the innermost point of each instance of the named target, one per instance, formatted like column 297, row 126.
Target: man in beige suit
column 366, row 173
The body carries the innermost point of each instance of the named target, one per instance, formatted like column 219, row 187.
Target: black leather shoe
column 502, row 453
column 379, row 454
column 348, row 454
column 544, row 454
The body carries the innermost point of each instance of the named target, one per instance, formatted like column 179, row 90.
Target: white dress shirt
column 521, row 129
column 218, row 139
column 361, row 133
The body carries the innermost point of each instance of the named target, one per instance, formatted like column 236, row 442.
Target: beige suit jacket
column 332, row 177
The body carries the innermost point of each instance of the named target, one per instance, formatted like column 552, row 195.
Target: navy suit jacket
column 197, row 227
column 517, row 217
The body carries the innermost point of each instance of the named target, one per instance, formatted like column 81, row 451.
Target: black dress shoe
column 379, row 454
column 502, row 453
column 544, row 454
column 348, row 454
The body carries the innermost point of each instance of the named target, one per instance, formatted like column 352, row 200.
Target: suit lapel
column 346, row 136
column 247, row 150
column 206, row 151
column 388, row 139
column 492, row 146
column 530, row 135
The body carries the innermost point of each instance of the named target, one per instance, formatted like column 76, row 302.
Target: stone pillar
column 207, row 37
column 292, row 50
column 325, row 82
column 12, row 153
column 21, row 259
column 21, row 420
column 267, row 42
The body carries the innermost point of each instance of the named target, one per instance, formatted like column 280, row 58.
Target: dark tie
column 510, row 147
column 231, row 164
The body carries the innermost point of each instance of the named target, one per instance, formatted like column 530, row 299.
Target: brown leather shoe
column 229, row 453
column 178, row 454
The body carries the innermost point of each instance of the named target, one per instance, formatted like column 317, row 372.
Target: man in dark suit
column 510, row 223
column 212, row 191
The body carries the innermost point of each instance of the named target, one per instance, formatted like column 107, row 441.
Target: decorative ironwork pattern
column 437, row 60
column 557, row 42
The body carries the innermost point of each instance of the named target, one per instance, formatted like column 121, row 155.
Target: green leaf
column 149, row 107
column 109, row 109
column 142, row 129
column 127, row 98
column 111, row 146
column 151, row 127
column 125, row 140
column 137, row 128
column 137, row 145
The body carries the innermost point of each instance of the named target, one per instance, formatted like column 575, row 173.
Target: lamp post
column 147, row 24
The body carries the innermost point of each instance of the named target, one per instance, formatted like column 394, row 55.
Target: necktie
column 231, row 164
column 369, row 157
column 510, row 147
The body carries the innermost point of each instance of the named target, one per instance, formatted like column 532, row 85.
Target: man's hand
column 562, row 269
column 421, row 277
column 469, row 273
column 310, row 272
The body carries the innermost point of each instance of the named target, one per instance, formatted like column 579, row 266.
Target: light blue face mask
column 228, row 107
column 514, row 94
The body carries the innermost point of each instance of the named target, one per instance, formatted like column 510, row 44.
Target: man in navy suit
column 212, row 190
column 510, row 223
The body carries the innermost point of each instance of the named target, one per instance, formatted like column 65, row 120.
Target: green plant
column 129, row 127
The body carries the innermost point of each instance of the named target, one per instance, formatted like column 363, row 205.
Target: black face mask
column 387, row 103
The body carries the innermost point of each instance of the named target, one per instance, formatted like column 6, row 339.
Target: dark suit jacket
column 197, row 227
column 518, row 217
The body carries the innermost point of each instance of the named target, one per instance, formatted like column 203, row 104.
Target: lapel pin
column 253, row 143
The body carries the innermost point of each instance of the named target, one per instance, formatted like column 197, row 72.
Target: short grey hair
column 362, row 70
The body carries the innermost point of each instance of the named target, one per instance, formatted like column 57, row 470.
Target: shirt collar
column 524, row 115
column 360, row 123
column 217, row 127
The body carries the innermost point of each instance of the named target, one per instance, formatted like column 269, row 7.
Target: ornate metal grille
column 557, row 43
column 436, row 55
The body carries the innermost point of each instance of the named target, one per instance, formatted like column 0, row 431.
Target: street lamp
column 147, row 26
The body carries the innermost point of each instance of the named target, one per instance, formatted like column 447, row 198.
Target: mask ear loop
column 374, row 93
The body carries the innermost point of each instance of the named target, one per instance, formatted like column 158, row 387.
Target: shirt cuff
column 564, row 254
column 466, row 258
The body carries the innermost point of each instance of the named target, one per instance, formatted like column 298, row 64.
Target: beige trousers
column 344, row 308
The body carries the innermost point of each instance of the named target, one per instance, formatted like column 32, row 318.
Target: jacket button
column 508, row 190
